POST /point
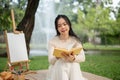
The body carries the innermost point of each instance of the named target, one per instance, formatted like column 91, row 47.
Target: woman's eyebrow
column 62, row 23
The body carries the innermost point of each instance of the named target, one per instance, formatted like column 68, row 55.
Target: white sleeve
column 52, row 59
column 81, row 56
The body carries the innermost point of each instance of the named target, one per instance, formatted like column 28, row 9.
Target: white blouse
column 59, row 69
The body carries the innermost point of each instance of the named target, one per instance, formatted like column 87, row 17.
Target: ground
column 41, row 75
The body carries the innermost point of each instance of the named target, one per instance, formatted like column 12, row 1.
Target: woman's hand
column 69, row 57
column 57, row 57
column 65, row 55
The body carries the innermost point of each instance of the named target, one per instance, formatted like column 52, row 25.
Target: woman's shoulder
column 54, row 39
column 75, row 39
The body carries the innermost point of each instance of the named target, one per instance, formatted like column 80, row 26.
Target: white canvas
column 17, row 47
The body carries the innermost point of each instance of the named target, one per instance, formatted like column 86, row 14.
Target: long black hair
column 71, row 33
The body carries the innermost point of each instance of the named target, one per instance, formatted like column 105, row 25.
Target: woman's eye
column 65, row 24
column 59, row 25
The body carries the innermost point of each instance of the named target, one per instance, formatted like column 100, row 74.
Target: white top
column 60, row 69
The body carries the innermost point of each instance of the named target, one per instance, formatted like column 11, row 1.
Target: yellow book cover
column 57, row 51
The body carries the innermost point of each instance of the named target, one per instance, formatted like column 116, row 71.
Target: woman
column 67, row 67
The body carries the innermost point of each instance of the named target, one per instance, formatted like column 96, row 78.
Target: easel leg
column 27, row 66
column 11, row 68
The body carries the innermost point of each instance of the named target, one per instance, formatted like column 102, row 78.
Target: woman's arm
column 81, row 56
column 52, row 59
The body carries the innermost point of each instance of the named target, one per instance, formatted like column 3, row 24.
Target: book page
column 76, row 50
column 57, row 51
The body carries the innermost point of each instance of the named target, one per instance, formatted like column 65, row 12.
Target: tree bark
column 27, row 23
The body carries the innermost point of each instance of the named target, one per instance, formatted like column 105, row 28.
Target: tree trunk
column 27, row 23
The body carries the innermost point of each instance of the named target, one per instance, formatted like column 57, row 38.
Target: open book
column 57, row 51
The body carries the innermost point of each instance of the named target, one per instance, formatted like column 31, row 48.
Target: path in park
column 41, row 75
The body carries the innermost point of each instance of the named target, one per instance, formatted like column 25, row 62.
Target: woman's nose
column 63, row 26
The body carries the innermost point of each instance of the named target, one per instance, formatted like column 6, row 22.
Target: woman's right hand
column 57, row 57
column 64, row 55
column 68, row 57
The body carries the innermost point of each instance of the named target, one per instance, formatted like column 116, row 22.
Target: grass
column 39, row 63
column 90, row 46
column 103, row 65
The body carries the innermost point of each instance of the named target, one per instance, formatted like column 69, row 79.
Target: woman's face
column 63, row 27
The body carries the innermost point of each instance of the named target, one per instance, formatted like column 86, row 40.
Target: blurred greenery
column 90, row 19
column 89, row 46
column 5, row 13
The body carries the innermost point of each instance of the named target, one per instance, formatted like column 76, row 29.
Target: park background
column 96, row 22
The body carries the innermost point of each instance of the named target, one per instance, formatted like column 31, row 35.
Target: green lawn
column 90, row 46
column 103, row 65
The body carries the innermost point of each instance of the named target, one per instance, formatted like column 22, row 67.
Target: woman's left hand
column 71, row 57
column 68, row 57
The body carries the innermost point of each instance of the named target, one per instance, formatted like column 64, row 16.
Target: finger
column 57, row 57
column 71, row 53
column 64, row 54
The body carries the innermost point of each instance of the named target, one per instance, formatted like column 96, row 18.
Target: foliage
column 111, row 40
column 96, row 22
column 5, row 13
column 66, row 7
column 117, row 24
column 18, row 15
column 79, row 26
column 5, row 21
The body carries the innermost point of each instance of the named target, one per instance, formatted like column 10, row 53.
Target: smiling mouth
column 63, row 30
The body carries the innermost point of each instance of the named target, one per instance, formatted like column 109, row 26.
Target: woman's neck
column 64, row 37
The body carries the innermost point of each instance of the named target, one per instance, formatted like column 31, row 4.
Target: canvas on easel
column 16, row 49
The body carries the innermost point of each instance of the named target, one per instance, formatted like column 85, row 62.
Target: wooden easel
column 17, row 65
